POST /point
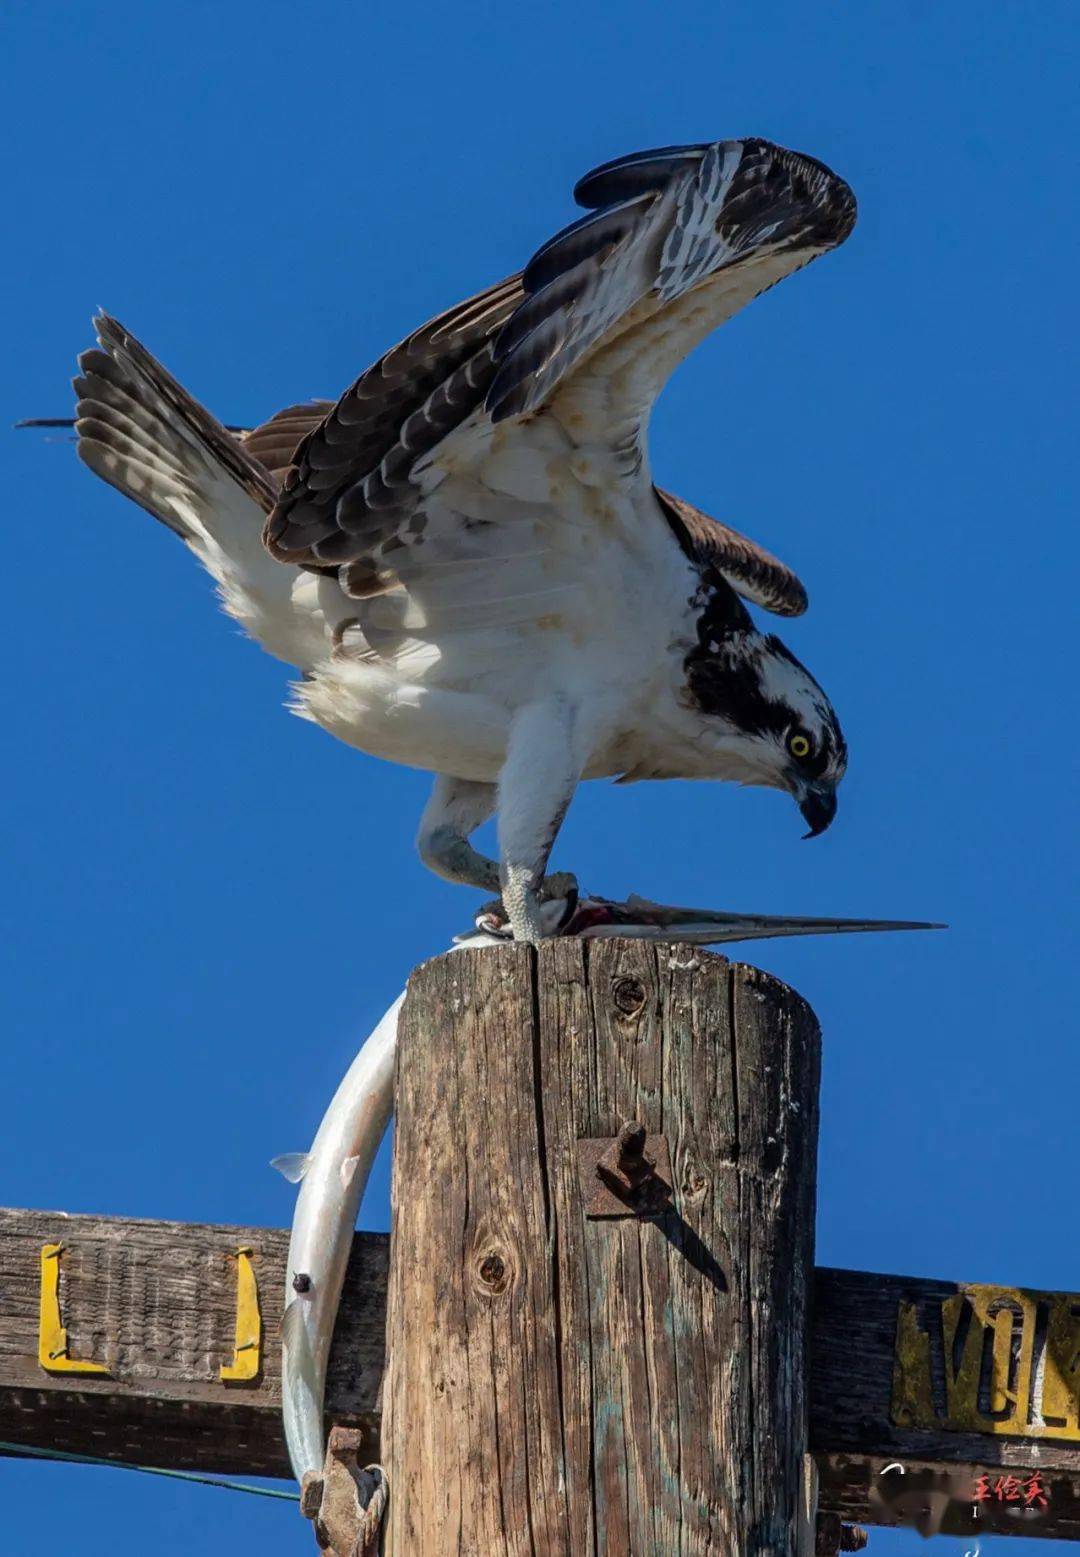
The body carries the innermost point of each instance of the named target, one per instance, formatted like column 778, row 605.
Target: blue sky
column 209, row 903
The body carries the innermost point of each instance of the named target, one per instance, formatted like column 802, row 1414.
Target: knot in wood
column 628, row 995
column 493, row 1272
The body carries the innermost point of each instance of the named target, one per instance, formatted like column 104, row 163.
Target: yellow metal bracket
column 53, row 1354
column 247, row 1354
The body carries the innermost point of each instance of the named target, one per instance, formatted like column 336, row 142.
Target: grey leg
column 457, row 808
column 536, row 785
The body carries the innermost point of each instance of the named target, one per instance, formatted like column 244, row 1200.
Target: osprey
column 467, row 557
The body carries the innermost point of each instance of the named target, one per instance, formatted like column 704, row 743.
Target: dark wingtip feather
column 109, row 331
column 636, row 174
column 521, row 376
column 581, row 241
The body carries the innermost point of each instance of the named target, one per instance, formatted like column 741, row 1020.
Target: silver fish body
column 333, row 1177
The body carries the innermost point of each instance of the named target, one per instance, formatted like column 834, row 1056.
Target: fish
column 333, row 1175
column 638, row 918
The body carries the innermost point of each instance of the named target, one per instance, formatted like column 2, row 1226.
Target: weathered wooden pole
column 563, row 1382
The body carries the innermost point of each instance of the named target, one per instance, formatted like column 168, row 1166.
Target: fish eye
column 798, row 744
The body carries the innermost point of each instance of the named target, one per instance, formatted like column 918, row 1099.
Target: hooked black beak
column 818, row 806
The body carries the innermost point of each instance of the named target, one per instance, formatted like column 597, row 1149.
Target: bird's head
column 766, row 721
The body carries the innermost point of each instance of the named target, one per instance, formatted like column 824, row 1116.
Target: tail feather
column 140, row 431
column 178, row 440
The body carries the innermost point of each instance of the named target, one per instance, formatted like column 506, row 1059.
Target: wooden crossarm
column 157, row 1304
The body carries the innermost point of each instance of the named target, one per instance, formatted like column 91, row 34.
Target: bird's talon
column 560, row 889
column 563, row 884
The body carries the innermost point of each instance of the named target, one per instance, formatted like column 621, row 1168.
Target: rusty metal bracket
column 345, row 1503
column 625, row 1175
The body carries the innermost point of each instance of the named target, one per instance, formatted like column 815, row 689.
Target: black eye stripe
column 724, row 678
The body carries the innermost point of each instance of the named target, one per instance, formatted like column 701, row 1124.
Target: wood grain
column 156, row 1301
column 563, row 1386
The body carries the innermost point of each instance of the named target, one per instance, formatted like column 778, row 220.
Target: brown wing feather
column 751, row 571
column 274, row 442
column 350, row 477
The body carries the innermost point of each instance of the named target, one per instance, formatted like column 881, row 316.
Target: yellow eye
column 799, row 745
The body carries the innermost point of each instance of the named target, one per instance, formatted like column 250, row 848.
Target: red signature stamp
column 923, row 1496
column 1030, row 1490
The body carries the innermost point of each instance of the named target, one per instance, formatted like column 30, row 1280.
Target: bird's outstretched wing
column 357, row 465
column 675, row 242
column 752, row 572
column 733, row 216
